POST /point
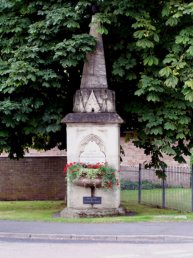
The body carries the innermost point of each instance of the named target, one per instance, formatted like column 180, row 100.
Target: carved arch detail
column 92, row 138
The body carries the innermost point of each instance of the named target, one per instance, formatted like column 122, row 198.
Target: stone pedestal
column 106, row 137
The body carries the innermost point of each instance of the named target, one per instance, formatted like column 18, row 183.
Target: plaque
column 92, row 154
column 92, row 200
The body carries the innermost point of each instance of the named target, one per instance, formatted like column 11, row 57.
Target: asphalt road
column 115, row 240
column 23, row 249
column 130, row 232
column 141, row 228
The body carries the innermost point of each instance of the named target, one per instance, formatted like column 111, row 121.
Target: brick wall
column 134, row 156
column 32, row 178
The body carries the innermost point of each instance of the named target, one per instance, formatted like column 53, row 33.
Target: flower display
column 96, row 175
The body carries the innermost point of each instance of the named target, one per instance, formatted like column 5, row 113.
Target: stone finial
column 94, row 71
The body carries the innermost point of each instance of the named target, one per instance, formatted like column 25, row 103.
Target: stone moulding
column 103, row 118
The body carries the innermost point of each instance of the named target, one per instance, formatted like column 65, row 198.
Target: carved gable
column 92, row 104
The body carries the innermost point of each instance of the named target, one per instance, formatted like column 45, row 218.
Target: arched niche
column 92, row 150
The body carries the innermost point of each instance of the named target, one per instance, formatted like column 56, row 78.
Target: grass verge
column 48, row 211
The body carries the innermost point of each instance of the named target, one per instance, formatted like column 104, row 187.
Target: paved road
column 122, row 240
column 94, row 250
column 133, row 232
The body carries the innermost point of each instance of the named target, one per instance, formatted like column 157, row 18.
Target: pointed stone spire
column 94, row 71
column 94, row 102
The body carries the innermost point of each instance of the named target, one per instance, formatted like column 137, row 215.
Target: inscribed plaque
column 92, row 154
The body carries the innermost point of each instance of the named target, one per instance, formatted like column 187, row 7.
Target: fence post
column 139, row 185
column 163, row 193
column 192, row 185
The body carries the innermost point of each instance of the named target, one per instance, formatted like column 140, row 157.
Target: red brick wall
column 134, row 156
column 32, row 178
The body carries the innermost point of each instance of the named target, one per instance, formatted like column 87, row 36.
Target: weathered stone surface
column 93, row 81
column 94, row 100
column 93, row 123
column 94, row 71
column 86, row 182
column 104, row 118
column 106, row 136
column 91, row 213
column 92, row 153
column 92, row 104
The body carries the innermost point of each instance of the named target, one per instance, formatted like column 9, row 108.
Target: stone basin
column 87, row 182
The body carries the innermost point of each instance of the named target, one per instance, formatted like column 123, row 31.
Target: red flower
column 65, row 168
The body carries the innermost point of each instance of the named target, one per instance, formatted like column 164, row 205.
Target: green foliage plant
column 102, row 171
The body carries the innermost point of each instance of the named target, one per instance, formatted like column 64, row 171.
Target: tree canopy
column 149, row 53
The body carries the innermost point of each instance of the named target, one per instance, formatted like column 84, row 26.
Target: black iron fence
column 143, row 186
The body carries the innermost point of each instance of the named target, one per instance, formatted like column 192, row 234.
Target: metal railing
column 143, row 186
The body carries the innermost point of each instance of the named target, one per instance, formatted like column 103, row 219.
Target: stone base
column 91, row 213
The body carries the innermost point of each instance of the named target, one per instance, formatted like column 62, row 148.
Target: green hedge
column 129, row 185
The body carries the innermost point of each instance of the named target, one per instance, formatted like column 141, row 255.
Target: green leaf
column 153, row 97
column 102, row 30
column 168, row 150
column 190, row 50
column 172, row 21
column 181, row 65
column 180, row 136
column 188, row 95
column 182, row 39
column 53, row 128
column 157, row 131
column 145, row 43
column 189, row 84
column 170, row 58
column 140, row 34
column 73, row 24
column 169, row 126
column 171, row 81
column 150, row 60
column 118, row 71
column 139, row 92
column 166, row 10
column 165, row 72
column 4, row 134
column 156, row 37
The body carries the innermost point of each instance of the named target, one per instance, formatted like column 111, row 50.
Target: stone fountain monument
column 93, row 133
